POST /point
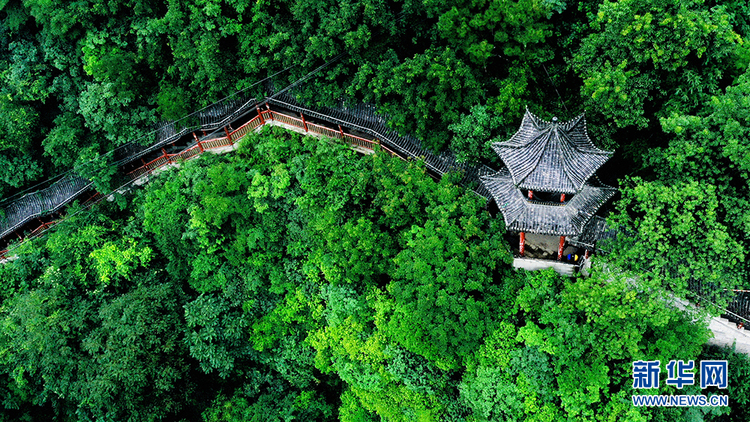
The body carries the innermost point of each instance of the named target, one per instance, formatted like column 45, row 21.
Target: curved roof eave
column 566, row 219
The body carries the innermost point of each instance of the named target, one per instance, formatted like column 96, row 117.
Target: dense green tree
column 670, row 231
column 265, row 398
column 710, row 148
column 92, row 335
column 650, row 58
column 441, row 284
column 474, row 134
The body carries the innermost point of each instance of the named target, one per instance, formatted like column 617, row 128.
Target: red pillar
column 531, row 194
column 341, row 131
column 522, row 244
column 304, row 123
column 562, row 238
column 587, row 254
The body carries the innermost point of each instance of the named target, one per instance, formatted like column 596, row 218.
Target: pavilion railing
column 231, row 138
column 212, row 117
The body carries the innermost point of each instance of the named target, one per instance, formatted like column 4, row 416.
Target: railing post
column 228, row 135
column 270, row 113
column 200, row 147
column 145, row 165
column 304, row 123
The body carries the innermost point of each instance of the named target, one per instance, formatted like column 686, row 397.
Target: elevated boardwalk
column 369, row 128
column 45, row 201
column 726, row 333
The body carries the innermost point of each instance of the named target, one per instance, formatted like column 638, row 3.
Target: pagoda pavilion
column 548, row 186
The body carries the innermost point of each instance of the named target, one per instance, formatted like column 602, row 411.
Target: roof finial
column 554, row 119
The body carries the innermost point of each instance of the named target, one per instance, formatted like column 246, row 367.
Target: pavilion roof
column 552, row 218
column 551, row 156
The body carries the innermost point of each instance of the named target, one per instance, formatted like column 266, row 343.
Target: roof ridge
column 551, row 156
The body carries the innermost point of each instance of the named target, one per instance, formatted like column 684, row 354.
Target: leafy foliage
column 671, row 53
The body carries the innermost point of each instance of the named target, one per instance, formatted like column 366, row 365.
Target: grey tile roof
column 551, row 156
column 553, row 218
